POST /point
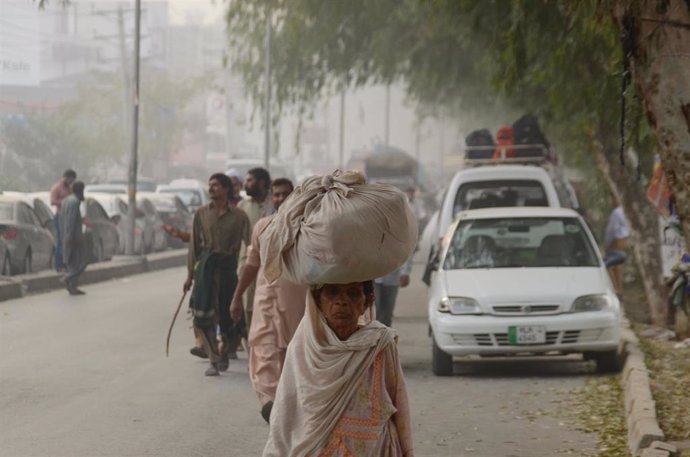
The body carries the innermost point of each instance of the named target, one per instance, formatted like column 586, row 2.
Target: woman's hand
column 236, row 308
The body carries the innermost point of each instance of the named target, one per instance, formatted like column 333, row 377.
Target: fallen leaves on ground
column 669, row 372
column 598, row 408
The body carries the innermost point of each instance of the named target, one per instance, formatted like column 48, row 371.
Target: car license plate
column 526, row 334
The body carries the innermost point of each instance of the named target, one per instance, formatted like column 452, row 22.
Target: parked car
column 101, row 232
column 43, row 210
column 152, row 225
column 106, row 189
column 31, row 246
column 522, row 281
column 173, row 212
column 192, row 192
column 143, row 184
column 115, row 208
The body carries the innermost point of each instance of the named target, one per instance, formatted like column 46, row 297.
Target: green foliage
column 475, row 60
column 319, row 48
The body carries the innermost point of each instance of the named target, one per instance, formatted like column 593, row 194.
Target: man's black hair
column 78, row 187
column 224, row 181
column 261, row 174
column 70, row 174
column 283, row 182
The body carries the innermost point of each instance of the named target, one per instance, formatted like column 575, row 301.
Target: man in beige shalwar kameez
column 257, row 205
column 278, row 310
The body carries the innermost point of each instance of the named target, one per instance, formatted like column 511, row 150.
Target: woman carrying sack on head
column 342, row 390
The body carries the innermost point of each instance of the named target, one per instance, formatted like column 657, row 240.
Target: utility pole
column 267, row 130
column 341, row 145
column 388, row 116
column 133, row 159
column 442, row 146
column 125, row 73
column 417, row 148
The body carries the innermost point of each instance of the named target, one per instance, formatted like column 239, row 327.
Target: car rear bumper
column 488, row 335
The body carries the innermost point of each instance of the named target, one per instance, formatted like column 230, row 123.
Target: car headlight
column 591, row 303
column 459, row 305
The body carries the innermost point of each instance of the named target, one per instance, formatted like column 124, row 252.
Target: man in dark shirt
column 217, row 235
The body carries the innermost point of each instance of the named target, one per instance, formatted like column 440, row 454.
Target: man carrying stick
column 217, row 234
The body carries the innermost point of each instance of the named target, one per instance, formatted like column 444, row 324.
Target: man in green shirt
column 218, row 232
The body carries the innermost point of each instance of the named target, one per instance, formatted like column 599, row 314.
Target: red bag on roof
column 504, row 139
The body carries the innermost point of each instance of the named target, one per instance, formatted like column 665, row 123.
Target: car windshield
column 518, row 243
column 6, row 211
column 190, row 197
column 499, row 193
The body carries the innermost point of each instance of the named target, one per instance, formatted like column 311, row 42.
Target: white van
column 496, row 186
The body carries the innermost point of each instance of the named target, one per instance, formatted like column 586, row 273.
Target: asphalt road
column 87, row 376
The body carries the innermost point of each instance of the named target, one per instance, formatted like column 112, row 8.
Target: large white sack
column 337, row 229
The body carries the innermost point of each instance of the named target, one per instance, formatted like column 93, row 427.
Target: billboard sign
column 20, row 43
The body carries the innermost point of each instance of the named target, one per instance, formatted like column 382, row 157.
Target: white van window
column 499, row 193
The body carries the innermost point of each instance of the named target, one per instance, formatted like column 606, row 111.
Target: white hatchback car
column 522, row 281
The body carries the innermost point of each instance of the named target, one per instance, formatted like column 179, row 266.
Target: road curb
column 645, row 437
column 18, row 286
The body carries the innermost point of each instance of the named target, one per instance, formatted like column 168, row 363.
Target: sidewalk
column 21, row 285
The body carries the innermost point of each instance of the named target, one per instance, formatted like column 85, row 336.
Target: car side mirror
column 432, row 265
column 116, row 219
column 139, row 213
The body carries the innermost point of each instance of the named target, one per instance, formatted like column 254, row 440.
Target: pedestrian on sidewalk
column 257, row 205
column 278, row 310
column 386, row 292
column 616, row 240
column 218, row 232
column 60, row 190
column 73, row 240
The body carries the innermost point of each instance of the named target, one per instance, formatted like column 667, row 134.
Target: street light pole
column 341, row 145
column 267, row 130
column 133, row 161
column 388, row 115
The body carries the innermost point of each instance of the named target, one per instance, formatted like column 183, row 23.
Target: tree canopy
column 558, row 59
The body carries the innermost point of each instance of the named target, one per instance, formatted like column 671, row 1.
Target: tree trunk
column 643, row 219
column 660, row 63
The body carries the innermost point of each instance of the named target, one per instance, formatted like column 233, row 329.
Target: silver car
column 31, row 246
column 151, row 225
column 115, row 208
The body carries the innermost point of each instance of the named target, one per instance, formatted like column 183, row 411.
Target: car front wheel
column 7, row 266
column 441, row 363
column 28, row 265
column 608, row 361
column 100, row 257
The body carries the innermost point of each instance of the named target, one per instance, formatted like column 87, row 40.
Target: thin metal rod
column 388, row 116
column 133, row 157
column 267, row 95
column 341, row 145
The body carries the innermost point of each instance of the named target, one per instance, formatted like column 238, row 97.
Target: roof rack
column 522, row 154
